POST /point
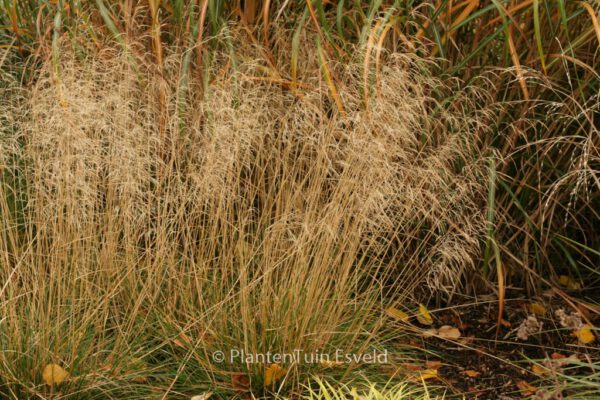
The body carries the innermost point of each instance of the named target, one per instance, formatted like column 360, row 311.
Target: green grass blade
column 538, row 33
column 490, row 217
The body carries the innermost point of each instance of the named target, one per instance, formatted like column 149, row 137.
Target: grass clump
column 156, row 230
column 327, row 391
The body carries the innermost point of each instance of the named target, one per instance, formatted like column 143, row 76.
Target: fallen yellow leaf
column 397, row 314
column 538, row 369
column 537, row 309
column 54, row 374
column 429, row 374
column 568, row 282
column 273, row 374
column 424, row 316
column 448, row 332
column 584, row 334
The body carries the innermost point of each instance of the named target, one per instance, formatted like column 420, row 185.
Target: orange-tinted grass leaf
column 594, row 18
column 329, row 80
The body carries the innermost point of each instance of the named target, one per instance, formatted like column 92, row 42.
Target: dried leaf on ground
column 539, row 370
column 584, row 334
column 424, row 316
column 569, row 282
column 444, row 332
column 274, row 373
column 526, row 388
column 471, row 373
column 448, row 332
column 54, row 374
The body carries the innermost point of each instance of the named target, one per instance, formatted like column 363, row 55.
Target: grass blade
column 329, row 79
column 538, row 34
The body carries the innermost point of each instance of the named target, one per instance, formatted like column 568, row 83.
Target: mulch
column 488, row 362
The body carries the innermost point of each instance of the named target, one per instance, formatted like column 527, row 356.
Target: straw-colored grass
column 161, row 220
